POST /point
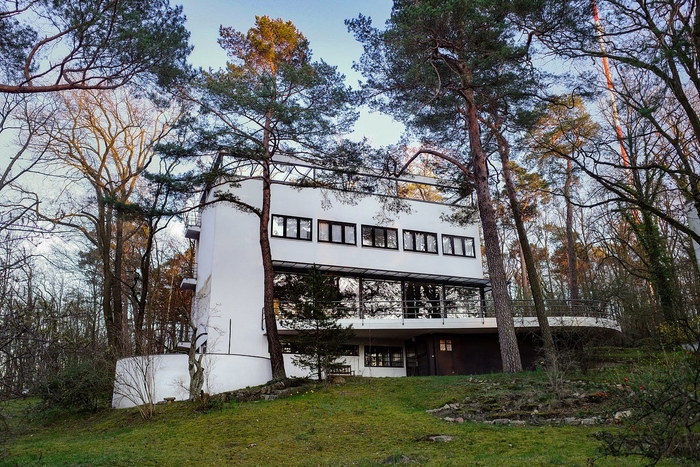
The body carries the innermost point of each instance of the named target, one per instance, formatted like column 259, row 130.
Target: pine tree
column 312, row 311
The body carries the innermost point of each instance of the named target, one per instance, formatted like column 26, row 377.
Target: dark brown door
column 417, row 363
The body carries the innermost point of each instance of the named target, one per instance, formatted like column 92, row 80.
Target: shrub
column 662, row 412
column 81, row 385
column 680, row 333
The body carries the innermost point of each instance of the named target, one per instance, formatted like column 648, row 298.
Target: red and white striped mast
column 611, row 88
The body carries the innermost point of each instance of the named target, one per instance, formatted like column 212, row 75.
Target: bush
column 84, row 385
column 661, row 414
column 680, row 333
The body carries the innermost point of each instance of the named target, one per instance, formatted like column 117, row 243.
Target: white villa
column 418, row 296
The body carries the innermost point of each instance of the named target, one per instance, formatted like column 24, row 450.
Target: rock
column 518, row 423
column 459, row 420
column 449, row 419
column 278, row 385
column 339, row 380
column 286, row 392
column 440, row 438
column 500, row 421
column 393, row 460
column 588, row 421
column 572, row 421
column 622, row 414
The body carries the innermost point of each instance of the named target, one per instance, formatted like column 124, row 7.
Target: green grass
column 366, row 422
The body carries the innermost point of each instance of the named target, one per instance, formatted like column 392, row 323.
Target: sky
column 322, row 22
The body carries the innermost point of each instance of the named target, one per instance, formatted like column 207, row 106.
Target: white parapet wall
column 140, row 380
column 694, row 224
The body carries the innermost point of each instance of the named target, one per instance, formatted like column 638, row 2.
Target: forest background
column 100, row 108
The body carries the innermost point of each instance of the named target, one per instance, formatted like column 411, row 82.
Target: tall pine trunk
column 510, row 354
column 528, row 257
column 273, row 340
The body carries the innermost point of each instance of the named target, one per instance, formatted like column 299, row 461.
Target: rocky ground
column 521, row 402
column 515, row 402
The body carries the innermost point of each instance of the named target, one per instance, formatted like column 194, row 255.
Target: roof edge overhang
column 382, row 274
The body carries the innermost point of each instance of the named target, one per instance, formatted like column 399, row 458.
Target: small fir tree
column 312, row 308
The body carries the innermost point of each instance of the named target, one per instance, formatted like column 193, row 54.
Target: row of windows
column 349, row 350
column 372, row 236
column 379, row 355
column 375, row 355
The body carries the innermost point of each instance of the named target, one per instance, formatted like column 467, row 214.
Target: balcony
column 468, row 315
column 189, row 282
column 193, row 225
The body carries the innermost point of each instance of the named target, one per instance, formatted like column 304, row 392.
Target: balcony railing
column 465, row 309
column 193, row 225
column 189, row 281
column 365, row 181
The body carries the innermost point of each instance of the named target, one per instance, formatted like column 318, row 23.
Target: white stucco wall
column 168, row 376
column 694, row 224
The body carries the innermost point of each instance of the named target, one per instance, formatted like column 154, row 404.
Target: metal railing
column 191, row 271
column 193, row 219
column 367, row 181
column 467, row 309
column 560, row 308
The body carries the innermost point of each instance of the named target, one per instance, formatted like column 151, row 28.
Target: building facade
column 412, row 280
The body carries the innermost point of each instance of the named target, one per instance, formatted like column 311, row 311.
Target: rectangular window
column 458, row 246
column 425, row 242
column 384, row 356
column 446, row 345
column 380, row 237
column 289, row 347
column 336, row 232
column 291, row 227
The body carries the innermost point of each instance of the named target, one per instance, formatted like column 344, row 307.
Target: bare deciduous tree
column 101, row 143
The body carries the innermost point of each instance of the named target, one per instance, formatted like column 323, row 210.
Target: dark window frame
column 284, row 227
column 386, row 353
column 463, row 240
column 343, row 240
column 413, row 234
column 374, row 236
column 289, row 347
column 446, row 345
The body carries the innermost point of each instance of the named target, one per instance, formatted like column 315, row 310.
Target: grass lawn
column 365, row 422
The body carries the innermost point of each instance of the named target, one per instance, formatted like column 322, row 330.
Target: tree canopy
column 54, row 45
